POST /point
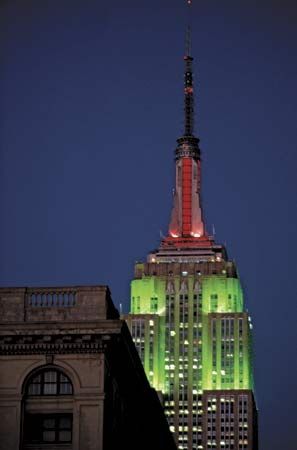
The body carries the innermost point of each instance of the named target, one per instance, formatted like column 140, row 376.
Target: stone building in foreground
column 70, row 376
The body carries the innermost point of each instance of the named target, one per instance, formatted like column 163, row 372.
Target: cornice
column 55, row 344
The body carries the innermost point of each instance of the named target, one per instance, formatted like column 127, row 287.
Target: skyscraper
column 188, row 318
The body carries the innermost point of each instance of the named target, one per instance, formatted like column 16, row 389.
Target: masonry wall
column 77, row 331
column 87, row 375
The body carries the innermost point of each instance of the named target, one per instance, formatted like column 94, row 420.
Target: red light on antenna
column 189, row 2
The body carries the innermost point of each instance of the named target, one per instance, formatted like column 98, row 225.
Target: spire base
column 183, row 249
column 188, row 146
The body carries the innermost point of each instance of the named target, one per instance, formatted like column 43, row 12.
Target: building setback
column 188, row 319
column 70, row 376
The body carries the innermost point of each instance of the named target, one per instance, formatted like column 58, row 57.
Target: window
column 48, row 428
column 47, row 423
column 49, row 382
column 154, row 304
column 137, row 304
column 213, row 302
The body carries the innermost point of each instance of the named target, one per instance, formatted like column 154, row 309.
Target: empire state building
column 188, row 318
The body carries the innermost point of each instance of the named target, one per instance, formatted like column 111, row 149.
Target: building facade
column 70, row 376
column 188, row 318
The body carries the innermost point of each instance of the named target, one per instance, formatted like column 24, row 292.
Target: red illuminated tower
column 186, row 221
column 187, row 232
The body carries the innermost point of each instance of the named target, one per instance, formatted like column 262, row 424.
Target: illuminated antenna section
column 186, row 221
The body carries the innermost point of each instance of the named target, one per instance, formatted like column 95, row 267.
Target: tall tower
column 188, row 320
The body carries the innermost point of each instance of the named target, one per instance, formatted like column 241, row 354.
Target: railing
column 54, row 298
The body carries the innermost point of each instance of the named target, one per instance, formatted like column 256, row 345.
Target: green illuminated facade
column 194, row 339
column 188, row 319
column 206, row 322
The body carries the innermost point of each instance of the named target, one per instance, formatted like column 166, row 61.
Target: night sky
column 91, row 106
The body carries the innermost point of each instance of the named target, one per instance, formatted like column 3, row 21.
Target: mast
column 188, row 87
column 186, row 218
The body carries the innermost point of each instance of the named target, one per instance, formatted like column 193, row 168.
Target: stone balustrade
column 56, row 304
column 51, row 297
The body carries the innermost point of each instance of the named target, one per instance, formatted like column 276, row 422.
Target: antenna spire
column 188, row 32
column 186, row 219
column 188, row 81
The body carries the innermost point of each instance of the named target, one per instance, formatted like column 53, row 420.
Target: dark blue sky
column 91, row 105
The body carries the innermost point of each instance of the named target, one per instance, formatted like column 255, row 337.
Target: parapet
column 56, row 304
